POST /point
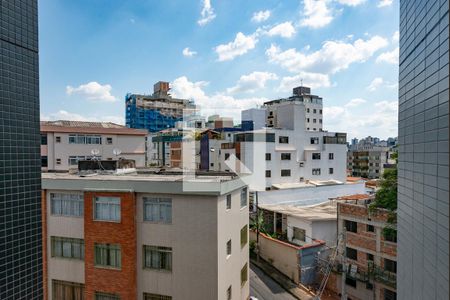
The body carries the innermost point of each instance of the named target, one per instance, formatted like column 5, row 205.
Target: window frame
column 228, row 201
column 244, row 192
column 331, row 156
column 160, row 203
column 268, row 156
column 110, row 204
column 285, row 156
column 268, row 173
column 109, row 248
column 63, row 241
column 64, row 206
column 244, row 274
column 351, row 253
column 228, row 248
column 244, row 236
column 282, row 139
column 316, row 155
column 283, row 173
column 165, row 264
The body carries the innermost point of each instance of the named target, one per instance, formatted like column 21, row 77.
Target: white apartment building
column 145, row 236
column 63, row 143
column 287, row 152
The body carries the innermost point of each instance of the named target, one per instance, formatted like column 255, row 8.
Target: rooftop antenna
column 95, row 153
column 117, row 152
column 301, row 82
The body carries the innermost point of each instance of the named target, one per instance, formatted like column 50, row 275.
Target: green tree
column 386, row 195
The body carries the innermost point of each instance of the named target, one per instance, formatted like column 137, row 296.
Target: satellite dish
column 95, row 152
column 116, row 151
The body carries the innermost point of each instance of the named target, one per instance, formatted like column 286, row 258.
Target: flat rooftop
column 320, row 212
column 144, row 182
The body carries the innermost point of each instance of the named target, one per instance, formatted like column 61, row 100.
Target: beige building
column 63, row 143
column 145, row 236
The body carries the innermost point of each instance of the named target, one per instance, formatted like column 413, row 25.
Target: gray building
column 20, row 162
column 423, row 178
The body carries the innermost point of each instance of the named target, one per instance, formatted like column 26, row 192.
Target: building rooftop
column 144, row 181
column 89, row 127
column 319, row 212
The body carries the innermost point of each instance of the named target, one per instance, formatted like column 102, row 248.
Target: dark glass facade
column 423, row 173
column 20, row 162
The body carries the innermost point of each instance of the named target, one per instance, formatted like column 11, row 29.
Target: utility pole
column 344, row 262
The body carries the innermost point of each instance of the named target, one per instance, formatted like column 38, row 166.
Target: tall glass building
column 20, row 170
column 423, row 178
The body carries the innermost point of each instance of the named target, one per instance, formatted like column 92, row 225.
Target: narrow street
column 264, row 288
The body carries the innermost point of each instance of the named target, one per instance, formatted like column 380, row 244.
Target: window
column 389, row 295
column 314, row 121
column 158, row 210
column 109, row 140
column 299, row 234
column 107, row 209
column 320, row 121
column 307, row 110
column 369, row 257
column 71, row 205
column 229, row 248
column 58, row 161
column 352, row 253
column 243, row 197
column 268, row 173
column 320, row 111
column 229, row 201
column 85, row 139
column 350, row 281
column 268, row 156
column 390, row 265
column 351, row 226
column 227, row 156
column 285, row 156
column 43, row 139
column 369, row 286
column 67, row 290
column 244, row 236
column 57, row 139
column 314, row 140
column 244, row 274
column 67, row 247
column 307, row 120
column 44, row 161
column 212, row 164
column 158, row 258
column 148, row 296
column 107, row 255
column 390, row 235
column 330, row 156
column 316, row 171
column 105, row 296
column 316, row 156
column 370, row 228
column 283, row 140
column 285, row 173
column 314, row 111
column 229, row 294
column 330, row 170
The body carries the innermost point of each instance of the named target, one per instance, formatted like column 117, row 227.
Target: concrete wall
column 282, row 256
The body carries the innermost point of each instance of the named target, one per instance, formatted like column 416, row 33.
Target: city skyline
column 99, row 56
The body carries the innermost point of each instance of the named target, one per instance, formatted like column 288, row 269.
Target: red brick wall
column 44, row 243
column 361, row 241
column 121, row 282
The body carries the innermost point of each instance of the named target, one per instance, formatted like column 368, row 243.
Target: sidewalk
column 282, row 280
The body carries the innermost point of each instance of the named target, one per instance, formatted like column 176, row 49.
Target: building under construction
column 157, row 111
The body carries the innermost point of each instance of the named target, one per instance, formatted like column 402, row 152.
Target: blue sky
column 225, row 55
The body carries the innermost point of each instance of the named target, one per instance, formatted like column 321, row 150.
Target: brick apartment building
column 370, row 252
column 144, row 236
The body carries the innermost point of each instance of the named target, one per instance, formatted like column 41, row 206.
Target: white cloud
column 377, row 119
column 312, row 80
column 375, row 84
column 220, row 103
column 93, row 91
column 384, row 3
column 390, row 57
column 252, row 82
column 65, row 115
column 396, row 37
column 261, row 16
column 241, row 45
column 207, row 13
column 355, row 102
column 351, row 2
column 285, row 30
column 333, row 57
column 188, row 53
column 316, row 13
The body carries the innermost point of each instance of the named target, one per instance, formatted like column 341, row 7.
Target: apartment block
column 64, row 143
column 423, row 172
column 369, row 266
column 20, row 183
column 158, row 111
column 313, row 112
column 145, row 236
column 369, row 163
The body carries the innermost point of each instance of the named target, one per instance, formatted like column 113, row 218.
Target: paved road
column 264, row 288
